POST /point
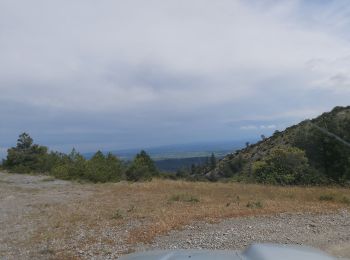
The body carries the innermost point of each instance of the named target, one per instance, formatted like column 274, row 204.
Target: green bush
column 61, row 172
column 286, row 166
column 118, row 214
column 182, row 174
column 233, row 167
column 99, row 168
column 345, row 200
column 102, row 168
column 254, row 204
column 184, row 198
column 142, row 168
column 326, row 197
column 25, row 157
column 71, row 167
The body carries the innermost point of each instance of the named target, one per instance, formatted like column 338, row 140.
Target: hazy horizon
column 118, row 75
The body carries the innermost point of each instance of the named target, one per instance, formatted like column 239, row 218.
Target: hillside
column 323, row 141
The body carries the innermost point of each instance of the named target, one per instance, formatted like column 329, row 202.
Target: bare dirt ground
column 44, row 218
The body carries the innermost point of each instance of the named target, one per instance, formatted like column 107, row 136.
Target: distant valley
column 170, row 158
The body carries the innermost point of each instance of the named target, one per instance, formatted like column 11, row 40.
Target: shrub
column 345, row 200
column 25, row 157
column 142, row 168
column 71, row 167
column 170, row 176
column 254, row 204
column 118, row 214
column 284, row 166
column 102, row 168
column 232, row 167
column 99, row 168
column 138, row 172
column 182, row 173
column 326, row 197
column 184, row 198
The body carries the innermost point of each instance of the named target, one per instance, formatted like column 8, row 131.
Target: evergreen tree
column 142, row 168
column 212, row 161
column 26, row 156
column 24, row 142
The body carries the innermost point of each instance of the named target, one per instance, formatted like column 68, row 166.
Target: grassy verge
column 163, row 205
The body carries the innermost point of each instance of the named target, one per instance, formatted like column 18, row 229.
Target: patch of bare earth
column 43, row 218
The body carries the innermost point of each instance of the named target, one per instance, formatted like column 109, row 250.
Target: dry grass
column 162, row 205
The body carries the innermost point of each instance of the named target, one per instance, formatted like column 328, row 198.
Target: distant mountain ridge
column 180, row 151
column 326, row 155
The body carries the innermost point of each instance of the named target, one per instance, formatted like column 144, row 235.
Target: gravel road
column 329, row 232
column 22, row 195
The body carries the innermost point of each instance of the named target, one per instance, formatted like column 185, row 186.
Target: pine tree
column 212, row 161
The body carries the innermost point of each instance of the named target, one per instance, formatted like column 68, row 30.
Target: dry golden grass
column 162, row 205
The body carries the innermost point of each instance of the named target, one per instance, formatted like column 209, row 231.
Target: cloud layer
column 118, row 74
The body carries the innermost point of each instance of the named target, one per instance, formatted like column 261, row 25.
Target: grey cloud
column 129, row 73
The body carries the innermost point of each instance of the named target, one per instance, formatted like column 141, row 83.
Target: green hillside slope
column 312, row 151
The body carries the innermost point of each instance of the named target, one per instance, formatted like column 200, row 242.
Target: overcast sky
column 113, row 74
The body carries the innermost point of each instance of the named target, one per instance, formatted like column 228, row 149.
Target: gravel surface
column 23, row 196
column 329, row 232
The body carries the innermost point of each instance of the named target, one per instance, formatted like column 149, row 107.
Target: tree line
column 312, row 152
column 27, row 157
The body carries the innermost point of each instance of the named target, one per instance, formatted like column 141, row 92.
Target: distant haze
column 175, row 151
column 115, row 74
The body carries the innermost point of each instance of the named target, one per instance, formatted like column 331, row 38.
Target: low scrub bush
column 183, row 198
column 345, row 200
column 118, row 214
column 254, row 204
column 326, row 197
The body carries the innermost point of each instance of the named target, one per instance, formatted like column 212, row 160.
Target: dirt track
column 25, row 203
